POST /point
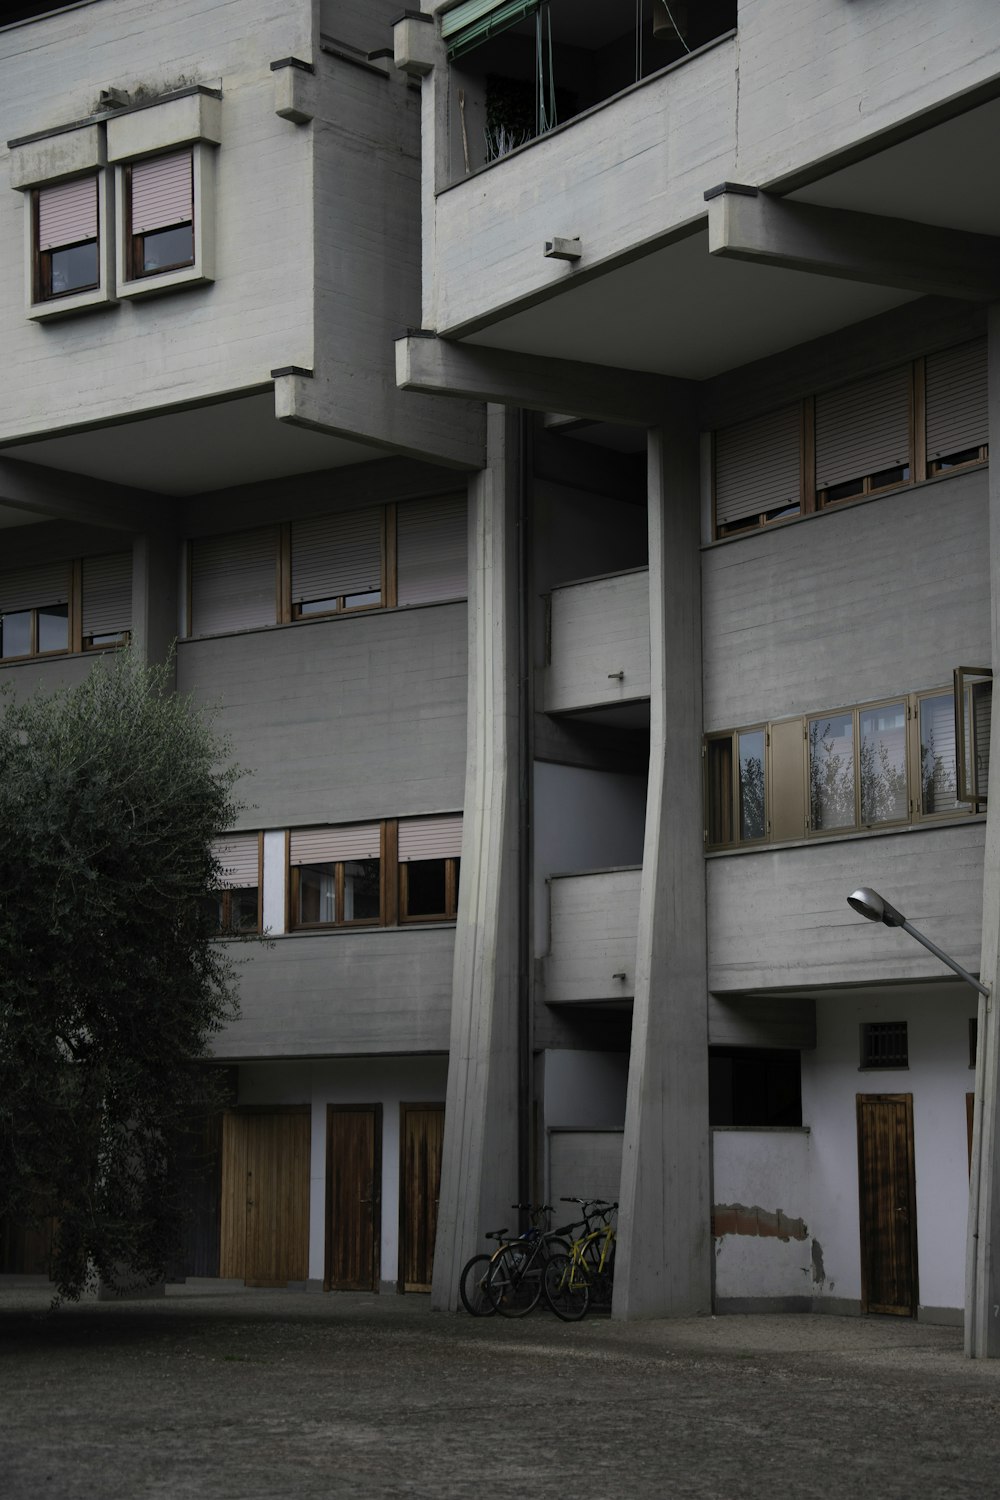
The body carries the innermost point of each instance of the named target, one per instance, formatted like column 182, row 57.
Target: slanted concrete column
column 154, row 597
column 982, row 1269
column 479, row 1165
column 663, row 1265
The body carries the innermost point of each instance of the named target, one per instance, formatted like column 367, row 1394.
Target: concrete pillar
column 663, row 1264
column 982, row 1271
column 154, row 597
column 479, row 1164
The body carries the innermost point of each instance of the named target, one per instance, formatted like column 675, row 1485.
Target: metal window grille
column 884, row 1045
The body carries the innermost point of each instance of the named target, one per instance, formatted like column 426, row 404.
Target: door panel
column 265, row 1197
column 888, row 1208
column 421, row 1142
column 354, row 1197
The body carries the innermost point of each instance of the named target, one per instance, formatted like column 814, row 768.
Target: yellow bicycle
column 584, row 1277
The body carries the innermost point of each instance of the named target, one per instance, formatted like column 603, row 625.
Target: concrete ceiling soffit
column 598, row 392
column 56, row 494
column 745, row 224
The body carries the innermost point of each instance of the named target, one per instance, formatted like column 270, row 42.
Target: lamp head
column 870, row 904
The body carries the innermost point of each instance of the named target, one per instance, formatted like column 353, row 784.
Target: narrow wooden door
column 265, row 1197
column 353, row 1197
column 888, row 1204
column 421, row 1141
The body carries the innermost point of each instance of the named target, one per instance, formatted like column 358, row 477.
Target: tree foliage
column 110, row 987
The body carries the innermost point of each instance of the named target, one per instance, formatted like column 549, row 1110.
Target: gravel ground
column 250, row 1394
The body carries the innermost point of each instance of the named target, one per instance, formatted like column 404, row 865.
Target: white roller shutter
column 30, row 588
column 107, row 594
column 957, row 416
column 320, row 846
column 162, row 192
column 234, row 581
column 863, row 428
column 334, row 555
column 67, row 214
column 757, row 466
column 431, row 550
column 430, row 838
column 239, row 856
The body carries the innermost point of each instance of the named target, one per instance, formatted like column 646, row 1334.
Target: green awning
column 474, row 22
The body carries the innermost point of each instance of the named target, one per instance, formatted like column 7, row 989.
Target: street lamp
column 877, row 909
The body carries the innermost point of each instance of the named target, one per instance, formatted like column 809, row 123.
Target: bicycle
column 586, row 1273
column 510, row 1280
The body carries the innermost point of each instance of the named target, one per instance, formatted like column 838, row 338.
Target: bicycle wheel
column 566, row 1291
column 514, row 1283
column 472, row 1287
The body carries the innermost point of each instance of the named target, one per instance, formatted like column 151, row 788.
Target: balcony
column 598, row 644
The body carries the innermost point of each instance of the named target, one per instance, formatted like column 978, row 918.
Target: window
column 235, row 905
column 883, row 1045
column 429, row 862
column 368, row 874
column 159, row 194
column 377, row 557
column 754, row 1086
column 107, row 600
column 924, row 418
column 853, row 769
column 66, row 238
column 35, row 611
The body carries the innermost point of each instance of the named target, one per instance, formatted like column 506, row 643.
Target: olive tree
column 111, row 794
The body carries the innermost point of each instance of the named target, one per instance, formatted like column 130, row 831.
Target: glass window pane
column 938, row 782
column 317, row 894
column 831, row 772
column 361, row 890
column 53, row 627
column 425, row 888
column 168, row 247
column 243, row 909
column 15, row 633
column 211, row 906
column 317, row 606
column 363, row 601
column 73, row 270
column 883, row 764
column 752, row 817
column 719, row 777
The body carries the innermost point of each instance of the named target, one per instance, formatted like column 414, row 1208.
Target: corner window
column 66, row 238
column 160, row 229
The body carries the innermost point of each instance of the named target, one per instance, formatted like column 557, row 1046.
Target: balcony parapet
column 598, row 643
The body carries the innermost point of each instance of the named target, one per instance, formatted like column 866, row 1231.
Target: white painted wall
column 767, row 1169
column 389, row 1082
column 583, row 820
column 939, row 1077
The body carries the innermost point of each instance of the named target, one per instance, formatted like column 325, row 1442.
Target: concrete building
column 559, row 441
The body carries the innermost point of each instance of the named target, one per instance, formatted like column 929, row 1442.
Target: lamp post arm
column 938, row 953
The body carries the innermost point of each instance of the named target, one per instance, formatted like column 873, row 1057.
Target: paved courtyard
column 225, row 1392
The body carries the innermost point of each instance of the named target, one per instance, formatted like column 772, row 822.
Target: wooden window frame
column 340, row 606
column 134, row 269
column 451, row 880
column 226, row 928
column 77, row 643
column 41, row 271
column 732, row 736
column 393, row 888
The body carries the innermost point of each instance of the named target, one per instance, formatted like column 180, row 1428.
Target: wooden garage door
column 265, row 1197
column 421, row 1142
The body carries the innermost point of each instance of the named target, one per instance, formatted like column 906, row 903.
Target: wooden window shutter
column 432, row 550
column 28, row 588
column 430, row 838
column 957, row 416
column 239, row 856
column 162, row 192
column 67, row 214
column 107, row 594
column 787, row 790
column 334, row 555
column 757, row 466
column 233, row 581
column 863, row 428
column 320, row 846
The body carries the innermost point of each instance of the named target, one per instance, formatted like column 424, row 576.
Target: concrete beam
column 75, row 497
column 745, row 224
column 427, row 363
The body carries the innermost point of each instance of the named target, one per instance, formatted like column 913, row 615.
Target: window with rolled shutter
column 27, row 588
column 431, row 550
column 234, row 581
column 757, row 470
column 239, row 856
column 67, row 213
column 429, row 852
column 34, row 610
column 863, row 435
column 107, row 597
column 317, row 846
column 161, row 214
column 337, row 561
column 430, row 838
column 957, row 416
column 336, row 875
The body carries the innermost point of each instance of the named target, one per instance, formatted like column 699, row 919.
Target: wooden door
column 264, row 1234
column 888, row 1204
column 353, row 1197
column 421, row 1140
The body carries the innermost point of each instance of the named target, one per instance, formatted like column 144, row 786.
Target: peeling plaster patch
column 736, row 1218
column 819, row 1271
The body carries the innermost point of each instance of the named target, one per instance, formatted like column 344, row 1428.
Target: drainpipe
column 525, row 742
